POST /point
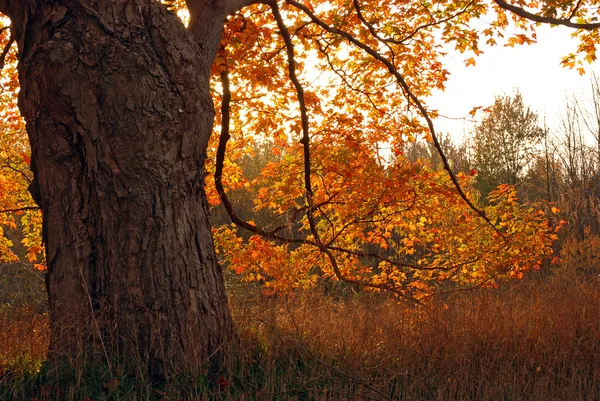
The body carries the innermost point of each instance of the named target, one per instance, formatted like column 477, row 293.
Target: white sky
column 535, row 70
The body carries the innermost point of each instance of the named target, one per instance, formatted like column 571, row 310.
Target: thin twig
column 403, row 41
column 16, row 170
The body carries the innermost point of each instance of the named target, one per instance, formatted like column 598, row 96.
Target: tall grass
column 23, row 339
column 532, row 340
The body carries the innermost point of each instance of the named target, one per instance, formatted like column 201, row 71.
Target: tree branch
column 305, row 141
column 16, row 170
column 221, row 150
column 412, row 97
column 273, row 234
column 307, row 164
column 521, row 12
column 575, row 9
column 19, row 209
column 207, row 20
column 403, row 41
column 6, row 49
column 328, row 249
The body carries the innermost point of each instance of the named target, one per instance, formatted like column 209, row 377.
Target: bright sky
column 535, row 70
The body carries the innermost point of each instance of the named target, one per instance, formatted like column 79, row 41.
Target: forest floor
column 536, row 339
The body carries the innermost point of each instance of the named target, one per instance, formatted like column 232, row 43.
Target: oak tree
column 118, row 105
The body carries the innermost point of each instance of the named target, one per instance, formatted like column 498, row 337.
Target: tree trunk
column 116, row 99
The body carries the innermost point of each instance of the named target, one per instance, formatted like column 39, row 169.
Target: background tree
column 505, row 142
column 578, row 158
column 459, row 155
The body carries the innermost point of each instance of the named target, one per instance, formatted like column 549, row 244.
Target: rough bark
column 116, row 98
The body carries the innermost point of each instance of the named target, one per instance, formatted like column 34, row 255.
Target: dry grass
column 24, row 338
column 529, row 341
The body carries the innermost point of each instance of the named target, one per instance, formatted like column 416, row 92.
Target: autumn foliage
column 17, row 209
column 337, row 90
column 379, row 220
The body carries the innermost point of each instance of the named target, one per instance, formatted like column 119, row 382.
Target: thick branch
column 221, row 150
column 521, row 12
column 304, row 117
column 207, row 20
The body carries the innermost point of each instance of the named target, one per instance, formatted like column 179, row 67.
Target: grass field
column 531, row 340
